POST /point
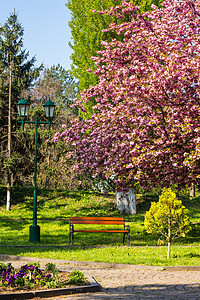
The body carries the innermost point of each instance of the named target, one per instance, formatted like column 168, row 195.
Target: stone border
column 93, row 287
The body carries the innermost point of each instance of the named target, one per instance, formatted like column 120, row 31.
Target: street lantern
column 49, row 108
column 23, row 108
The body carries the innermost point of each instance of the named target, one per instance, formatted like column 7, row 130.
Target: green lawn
column 155, row 256
column 54, row 209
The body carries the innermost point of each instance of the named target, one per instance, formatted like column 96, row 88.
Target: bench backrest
column 97, row 220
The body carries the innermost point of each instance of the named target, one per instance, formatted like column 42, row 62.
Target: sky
column 46, row 30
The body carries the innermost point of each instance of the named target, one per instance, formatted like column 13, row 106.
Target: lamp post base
column 34, row 233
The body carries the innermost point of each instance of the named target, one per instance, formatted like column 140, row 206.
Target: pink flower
column 145, row 125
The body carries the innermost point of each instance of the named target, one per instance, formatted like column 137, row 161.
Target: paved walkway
column 129, row 281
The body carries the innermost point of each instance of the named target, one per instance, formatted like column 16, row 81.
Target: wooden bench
column 99, row 221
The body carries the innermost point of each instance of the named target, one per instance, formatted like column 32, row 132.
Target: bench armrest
column 127, row 227
column 71, row 227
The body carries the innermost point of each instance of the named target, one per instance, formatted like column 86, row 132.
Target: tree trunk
column 8, row 192
column 126, row 202
column 169, row 249
column 169, row 239
column 9, row 139
column 192, row 190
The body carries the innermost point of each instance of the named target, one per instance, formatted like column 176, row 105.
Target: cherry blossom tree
column 146, row 123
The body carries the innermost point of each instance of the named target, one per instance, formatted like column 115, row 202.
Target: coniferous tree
column 17, row 73
column 167, row 218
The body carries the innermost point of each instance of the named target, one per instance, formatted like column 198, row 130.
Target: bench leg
column 128, row 234
column 124, row 238
column 128, row 238
column 71, row 234
column 69, row 237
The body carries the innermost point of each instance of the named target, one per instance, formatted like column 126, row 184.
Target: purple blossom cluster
column 28, row 274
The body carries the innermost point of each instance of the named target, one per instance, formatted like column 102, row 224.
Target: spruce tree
column 17, row 74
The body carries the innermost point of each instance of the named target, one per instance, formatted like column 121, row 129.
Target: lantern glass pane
column 49, row 111
column 23, row 111
column 19, row 110
column 46, row 109
column 26, row 110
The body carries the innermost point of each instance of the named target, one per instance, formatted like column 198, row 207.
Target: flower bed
column 31, row 277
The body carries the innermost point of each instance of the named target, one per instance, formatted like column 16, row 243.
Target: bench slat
column 97, row 220
column 93, row 230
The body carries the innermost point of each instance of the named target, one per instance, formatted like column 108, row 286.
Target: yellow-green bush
column 168, row 217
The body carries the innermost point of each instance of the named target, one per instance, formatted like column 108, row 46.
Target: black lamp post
column 23, row 108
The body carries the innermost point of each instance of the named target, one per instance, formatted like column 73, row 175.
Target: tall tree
column 54, row 82
column 57, row 83
column 17, row 74
column 146, row 122
column 88, row 31
column 87, row 27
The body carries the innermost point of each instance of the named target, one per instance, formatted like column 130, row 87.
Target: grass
column 154, row 256
column 54, row 209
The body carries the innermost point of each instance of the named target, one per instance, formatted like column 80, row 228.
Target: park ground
column 56, row 206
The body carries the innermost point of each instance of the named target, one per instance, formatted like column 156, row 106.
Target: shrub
column 168, row 217
column 76, row 277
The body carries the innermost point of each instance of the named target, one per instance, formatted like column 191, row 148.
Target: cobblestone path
column 132, row 282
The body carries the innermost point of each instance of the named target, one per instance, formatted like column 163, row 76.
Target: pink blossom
column 145, row 125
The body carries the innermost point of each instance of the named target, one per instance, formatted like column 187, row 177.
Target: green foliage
column 12, row 54
column 76, row 277
column 9, row 164
column 168, row 217
column 86, row 29
column 35, row 264
column 14, row 61
column 53, row 168
column 52, row 267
